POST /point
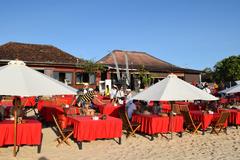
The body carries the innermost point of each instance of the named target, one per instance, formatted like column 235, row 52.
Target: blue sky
column 188, row 33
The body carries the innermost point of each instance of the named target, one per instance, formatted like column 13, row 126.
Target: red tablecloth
column 28, row 101
column 25, row 101
column 152, row 124
column 7, row 102
column 56, row 101
column 205, row 118
column 47, row 111
column 87, row 129
column 223, row 100
column 28, row 133
column 234, row 117
column 109, row 109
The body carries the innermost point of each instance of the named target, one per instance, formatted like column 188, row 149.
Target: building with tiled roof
column 48, row 60
column 157, row 68
column 67, row 68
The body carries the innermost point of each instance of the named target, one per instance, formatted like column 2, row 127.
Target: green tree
column 144, row 75
column 228, row 69
column 90, row 66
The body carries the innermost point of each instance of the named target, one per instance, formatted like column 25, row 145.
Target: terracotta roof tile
column 36, row 53
column 136, row 59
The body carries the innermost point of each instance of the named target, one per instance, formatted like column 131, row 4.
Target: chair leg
column 214, row 130
column 196, row 128
column 220, row 130
column 65, row 139
column 225, row 130
column 132, row 133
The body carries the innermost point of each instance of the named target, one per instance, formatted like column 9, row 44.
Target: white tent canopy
column 234, row 89
column 173, row 89
column 19, row 80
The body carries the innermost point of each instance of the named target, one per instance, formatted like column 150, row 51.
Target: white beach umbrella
column 19, row 80
column 173, row 89
column 234, row 89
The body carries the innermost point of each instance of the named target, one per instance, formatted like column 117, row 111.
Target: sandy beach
column 207, row 147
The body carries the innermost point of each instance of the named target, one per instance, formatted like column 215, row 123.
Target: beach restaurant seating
column 63, row 134
column 190, row 124
column 130, row 127
column 220, row 123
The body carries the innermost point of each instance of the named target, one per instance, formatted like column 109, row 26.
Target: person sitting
column 2, row 109
column 156, row 109
column 212, row 106
column 235, row 105
column 143, row 106
column 17, row 106
column 131, row 108
column 87, row 110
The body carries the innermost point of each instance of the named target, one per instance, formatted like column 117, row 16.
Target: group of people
column 142, row 107
column 116, row 95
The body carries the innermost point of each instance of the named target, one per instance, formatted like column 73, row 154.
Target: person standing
column 107, row 91
column 206, row 89
column 120, row 95
column 113, row 93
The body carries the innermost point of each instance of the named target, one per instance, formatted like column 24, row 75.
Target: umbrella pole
column 15, row 133
column 171, row 119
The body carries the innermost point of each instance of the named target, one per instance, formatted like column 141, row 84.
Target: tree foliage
column 90, row 66
column 228, row 69
column 207, row 75
column 144, row 75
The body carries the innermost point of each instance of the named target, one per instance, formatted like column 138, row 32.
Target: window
column 92, row 78
column 103, row 75
column 65, row 77
column 83, row 77
column 68, row 78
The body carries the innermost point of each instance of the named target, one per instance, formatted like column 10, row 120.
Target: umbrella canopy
column 173, row 89
column 234, row 89
column 19, row 80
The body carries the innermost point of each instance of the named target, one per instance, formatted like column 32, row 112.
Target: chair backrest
column 183, row 107
column 126, row 123
column 57, row 123
column 187, row 117
column 176, row 109
column 223, row 118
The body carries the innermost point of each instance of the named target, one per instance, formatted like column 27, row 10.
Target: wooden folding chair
column 63, row 134
column 220, row 123
column 190, row 124
column 183, row 107
column 130, row 127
